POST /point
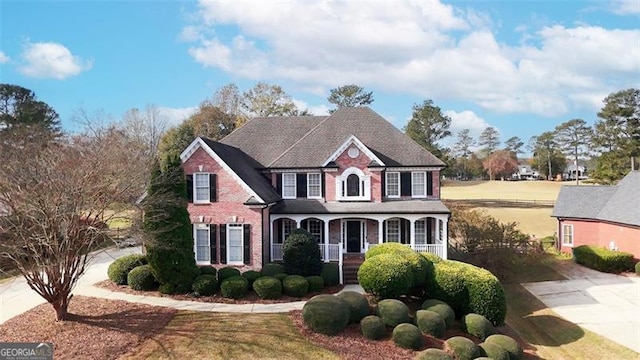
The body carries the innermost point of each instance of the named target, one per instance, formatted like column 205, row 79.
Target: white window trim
column 364, row 183
column 195, row 242
column 235, row 226
column 387, row 184
column 424, row 188
column 343, row 233
column 286, row 221
column 572, row 235
column 319, row 233
column 295, row 186
column 309, row 186
column 386, row 235
column 195, row 188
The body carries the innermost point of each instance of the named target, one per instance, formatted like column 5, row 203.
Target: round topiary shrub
column 441, row 308
column 205, row 285
column 358, row 305
column 167, row 289
column 507, row 343
column 393, row 312
column 493, row 351
column 301, row 254
column 407, row 336
column 316, row 283
column 330, row 274
column 386, row 276
column 268, row 287
column 207, row 270
column 272, row 269
column 462, row 348
column 234, row 287
column 430, row 323
column 119, row 269
column 326, row 314
column 373, row 328
column 420, row 266
column 280, row 276
column 477, row 325
column 251, row 276
column 486, row 294
column 295, row 285
column 142, row 278
column 433, row 354
column 227, row 272
column 638, row 268
column 433, row 258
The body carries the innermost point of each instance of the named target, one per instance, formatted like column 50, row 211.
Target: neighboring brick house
column 351, row 179
column 607, row 216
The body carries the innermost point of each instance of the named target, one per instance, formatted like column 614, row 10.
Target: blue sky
column 520, row 66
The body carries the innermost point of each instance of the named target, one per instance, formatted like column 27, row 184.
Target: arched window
column 353, row 185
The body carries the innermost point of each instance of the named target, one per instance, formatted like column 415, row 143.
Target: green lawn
column 535, row 221
column 507, row 190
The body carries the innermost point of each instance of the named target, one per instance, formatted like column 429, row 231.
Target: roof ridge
column 298, row 141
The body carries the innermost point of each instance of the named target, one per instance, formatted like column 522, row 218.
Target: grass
column 534, row 221
column 196, row 335
column 506, row 190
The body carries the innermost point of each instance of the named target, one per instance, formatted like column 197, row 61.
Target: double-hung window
column 567, row 235
column 393, row 230
column 418, row 184
column 201, row 188
column 203, row 246
column 393, row 184
column 314, row 186
column 289, row 186
column 314, row 227
column 421, row 231
column 235, row 243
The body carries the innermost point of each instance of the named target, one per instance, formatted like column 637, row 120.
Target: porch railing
column 334, row 252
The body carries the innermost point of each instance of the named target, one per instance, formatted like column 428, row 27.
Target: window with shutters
column 235, row 244
column 203, row 246
column 393, row 184
column 314, row 186
column 288, row 186
column 418, row 184
column 201, row 188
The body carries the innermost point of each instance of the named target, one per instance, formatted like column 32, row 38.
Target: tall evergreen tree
column 427, row 126
column 19, row 107
column 349, row 96
column 573, row 138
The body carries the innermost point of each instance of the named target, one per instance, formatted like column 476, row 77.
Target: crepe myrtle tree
column 56, row 197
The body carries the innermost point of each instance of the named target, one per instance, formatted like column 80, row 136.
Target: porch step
column 350, row 267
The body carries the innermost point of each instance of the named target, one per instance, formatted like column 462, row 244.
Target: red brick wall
column 344, row 161
column 230, row 199
column 626, row 238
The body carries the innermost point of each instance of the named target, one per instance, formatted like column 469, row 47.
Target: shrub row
column 602, row 259
column 119, row 269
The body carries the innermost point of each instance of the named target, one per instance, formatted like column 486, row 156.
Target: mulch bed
column 96, row 328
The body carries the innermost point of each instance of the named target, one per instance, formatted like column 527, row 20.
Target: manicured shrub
column 358, row 305
column 430, row 323
column 316, row 283
column 393, row 312
column 142, row 278
column 330, row 274
column 208, row 270
column 372, row 327
column 120, row 267
column 603, row 259
column 478, row 326
column 295, row 285
column 251, row 276
column 386, row 276
column 280, row 276
column 462, row 348
column 301, row 254
column 234, row 287
column 420, row 266
column 493, row 351
column 507, row 343
column 407, row 336
column 638, row 268
column 205, row 285
column 387, row 248
column 168, row 289
column 272, row 269
column 441, row 308
column 433, row 258
column 268, row 287
column 326, row 314
column 449, row 286
column 433, row 354
column 227, row 272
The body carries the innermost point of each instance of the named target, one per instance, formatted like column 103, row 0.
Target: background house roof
column 619, row 203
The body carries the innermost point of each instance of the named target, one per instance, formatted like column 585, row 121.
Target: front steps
column 350, row 265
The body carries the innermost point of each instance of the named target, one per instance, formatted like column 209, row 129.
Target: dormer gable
column 353, row 146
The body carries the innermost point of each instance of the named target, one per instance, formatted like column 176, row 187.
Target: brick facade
column 625, row 237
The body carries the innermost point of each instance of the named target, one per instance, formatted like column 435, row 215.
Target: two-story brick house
column 351, row 179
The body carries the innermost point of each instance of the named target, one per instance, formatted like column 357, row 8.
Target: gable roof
column 618, row 203
column 355, row 141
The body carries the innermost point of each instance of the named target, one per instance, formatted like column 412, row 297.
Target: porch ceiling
column 387, row 207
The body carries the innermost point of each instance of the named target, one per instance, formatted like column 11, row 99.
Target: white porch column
column 297, row 223
column 326, row 241
column 436, row 239
column 271, row 239
column 445, row 235
column 412, row 233
column 380, row 230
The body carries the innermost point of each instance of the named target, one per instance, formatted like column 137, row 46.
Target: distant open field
column 537, row 221
column 507, row 190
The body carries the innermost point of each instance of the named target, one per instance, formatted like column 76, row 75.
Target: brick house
column 351, row 179
column 607, row 216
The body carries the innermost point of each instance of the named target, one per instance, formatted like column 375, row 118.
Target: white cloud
column 175, row 116
column 466, row 120
column 4, row 58
column 313, row 109
column 51, row 60
column 625, row 7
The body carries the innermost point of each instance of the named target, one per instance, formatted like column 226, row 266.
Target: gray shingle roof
column 619, row 203
column 387, row 207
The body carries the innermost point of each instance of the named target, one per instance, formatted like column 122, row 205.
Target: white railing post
column 445, row 243
column 271, row 238
column 340, row 263
column 326, row 241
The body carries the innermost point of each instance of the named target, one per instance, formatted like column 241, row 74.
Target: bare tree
column 145, row 128
column 229, row 100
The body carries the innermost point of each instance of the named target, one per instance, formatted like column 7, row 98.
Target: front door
column 354, row 236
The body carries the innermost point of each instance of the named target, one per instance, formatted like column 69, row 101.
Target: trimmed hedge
column 234, row 287
column 507, row 343
column 295, row 285
column 272, row 269
column 316, row 283
column 330, row 274
column 386, row 248
column 441, row 308
column 373, row 328
column 280, row 276
column 493, row 351
column 326, row 314
column 227, row 272
column 119, row 269
column 433, row 354
column 393, row 312
column 167, row 288
column 386, row 276
column 205, row 285
column 462, row 348
column 251, row 276
column 638, row 268
column 268, row 287
column 430, row 323
column 433, row 258
column 358, row 305
column 208, row 270
column 142, row 278
column 602, row 259
column 301, row 254
column 407, row 336
column 420, row 265
column 478, row 326
column 449, row 286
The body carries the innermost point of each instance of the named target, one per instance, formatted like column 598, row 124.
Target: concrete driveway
column 606, row 304
column 17, row 297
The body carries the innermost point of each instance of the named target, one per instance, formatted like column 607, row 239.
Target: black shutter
column 429, row 237
column 213, row 237
column 429, row 183
column 213, row 196
column 190, row 188
column 404, row 231
column 279, row 184
column 383, row 183
column 322, row 182
column 405, row 184
column 247, row 243
column 383, row 236
column 301, row 184
column 223, row 244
